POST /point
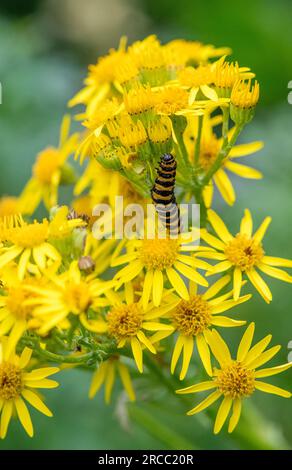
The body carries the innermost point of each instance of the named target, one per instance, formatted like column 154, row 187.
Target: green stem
column 182, row 152
column 59, row 358
column 222, row 155
column 158, row 430
column 139, row 184
column 198, row 140
column 225, row 126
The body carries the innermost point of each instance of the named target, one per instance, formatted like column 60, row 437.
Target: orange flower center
column 30, row 235
column 159, row 253
column 124, row 321
column 77, row 297
column 191, row 317
column 243, row 252
column 235, row 380
column 10, row 381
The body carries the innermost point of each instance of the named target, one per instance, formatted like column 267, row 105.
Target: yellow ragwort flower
column 67, row 293
column 237, row 379
column 210, row 147
column 29, row 247
column 243, row 254
column 126, row 322
column 47, row 172
column 156, row 258
column 17, row 385
column 194, row 317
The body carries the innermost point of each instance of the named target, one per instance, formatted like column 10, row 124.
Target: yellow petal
column 243, row 170
column 201, row 387
column 25, row 357
column 209, row 92
column 157, row 287
column 155, row 326
column 275, row 272
column 260, row 285
column 129, row 293
column 216, row 287
column 187, row 355
column 109, row 383
column 235, row 415
column 130, row 272
column 274, row 261
column 222, row 414
column 245, row 342
column 137, row 353
column 243, row 150
column 204, row 353
column 218, row 346
column 9, row 255
column 36, row 402
column 23, row 262
column 6, row 325
column 228, row 304
column 246, row 224
column 176, row 352
column 219, row 226
column 43, row 383
column 237, row 283
column 144, row 340
column 268, row 388
column 257, row 349
column 226, row 322
column 39, row 374
column 264, row 357
column 147, row 287
column 24, row 416
column 205, row 403
column 190, row 273
column 177, row 283
column 211, row 240
column 15, row 334
column 260, row 233
column 208, row 192
column 126, row 381
column 272, row 370
column 98, row 379
column 225, row 187
column 5, row 418
column 193, row 94
column 123, row 259
column 211, row 255
column 219, row 268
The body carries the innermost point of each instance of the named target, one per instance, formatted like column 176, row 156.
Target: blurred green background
column 45, row 46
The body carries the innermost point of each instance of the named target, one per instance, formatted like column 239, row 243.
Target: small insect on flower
column 243, row 254
column 237, row 379
column 17, row 385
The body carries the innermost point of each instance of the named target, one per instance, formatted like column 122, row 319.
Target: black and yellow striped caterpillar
column 163, row 196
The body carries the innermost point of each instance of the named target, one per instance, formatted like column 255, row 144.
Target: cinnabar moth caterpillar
column 163, row 195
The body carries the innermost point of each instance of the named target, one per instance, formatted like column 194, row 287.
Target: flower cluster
column 120, row 307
